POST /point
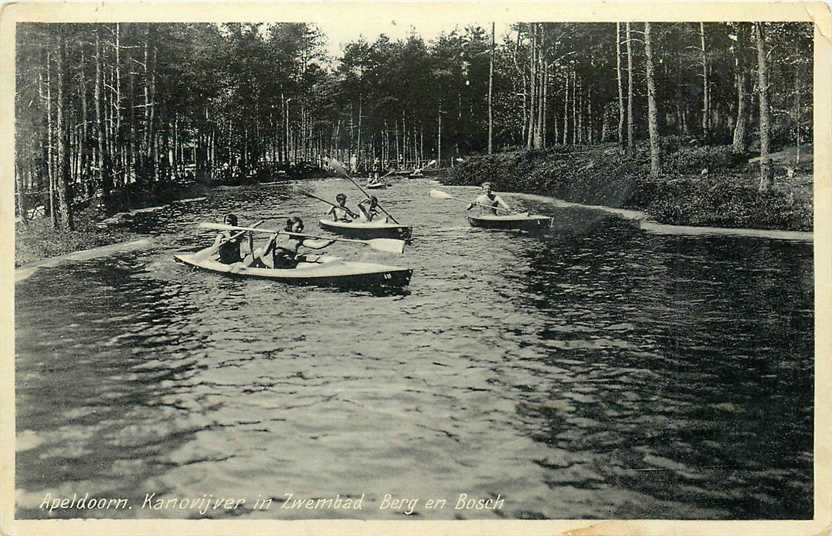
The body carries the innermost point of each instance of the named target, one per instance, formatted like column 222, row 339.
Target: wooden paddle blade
column 224, row 227
column 438, row 194
column 388, row 245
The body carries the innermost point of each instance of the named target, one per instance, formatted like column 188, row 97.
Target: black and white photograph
column 469, row 265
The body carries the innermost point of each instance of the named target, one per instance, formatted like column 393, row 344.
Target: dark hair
column 341, row 196
column 292, row 221
column 373, row 200
column 230, row 219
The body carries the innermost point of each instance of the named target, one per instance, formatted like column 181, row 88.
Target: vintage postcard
column 417, row 268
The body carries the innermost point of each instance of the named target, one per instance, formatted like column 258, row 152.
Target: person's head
column 373, row 201
column 486, row 187
column 230, row 219
column 341, row 199
column 294, row 225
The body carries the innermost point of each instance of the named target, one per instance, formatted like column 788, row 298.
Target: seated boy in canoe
column 228, row 243
column 341, row 212
column 488, row 201
column 282, row 250
column 369, row 209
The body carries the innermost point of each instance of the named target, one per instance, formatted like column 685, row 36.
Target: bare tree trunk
column 652, row 123
column 575, row 126
column 541, row 92
column 630, row 126
column 522, row 74
column 490, row 94
column 117, row 139
column 439, row 137
column 797, row 114
column 589, row 118
column 358, row 144
column 544, row 104
column 579, row 99
column 620, row 89
column 762, row 74
column 740, row 123
column 532, row 86
column 101, row 159
column 50, row 146
column 82, row 146
column 64, row 202
column 154, row 118
column 566, row 109
column 706, row 104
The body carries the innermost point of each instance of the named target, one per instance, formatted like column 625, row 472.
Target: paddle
column 313, row 196
column 387, row 245
column 339, row 168
column 438, row 194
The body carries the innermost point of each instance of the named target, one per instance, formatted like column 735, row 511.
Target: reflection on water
column 593, row 372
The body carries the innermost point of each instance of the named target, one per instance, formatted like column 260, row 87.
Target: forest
column 102, row 109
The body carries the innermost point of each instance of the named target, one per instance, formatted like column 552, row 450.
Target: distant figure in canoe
column 228, row 246
column 369, row 208
column 341, row 212
column 488, row 199
column 282, row 250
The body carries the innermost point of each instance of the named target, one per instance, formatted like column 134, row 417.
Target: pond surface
column 592, row 372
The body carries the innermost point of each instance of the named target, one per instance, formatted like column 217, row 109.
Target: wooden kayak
column 527, row 222
column 323, row 271
column 366, row 230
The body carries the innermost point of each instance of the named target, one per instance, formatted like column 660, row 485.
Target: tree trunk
column 620, row 89
column 762, row 74
column 566, row 109
column 797, row 114
column 541, row 92
column 490, row 94
column 63, row 130
column 532, row 86
column 652, row 123
column 101, row 157
column 706, row 104
column 50, row 146
column 630, row 126
column 439, row 137
column 740, row 123
column 575, row 126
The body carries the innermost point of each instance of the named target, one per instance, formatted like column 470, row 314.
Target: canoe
column 528, row 222
column 365, row 230
column 376, row 186
column 330, row 272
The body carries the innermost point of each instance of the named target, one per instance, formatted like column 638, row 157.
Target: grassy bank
column 700, row 185
column 36, row 239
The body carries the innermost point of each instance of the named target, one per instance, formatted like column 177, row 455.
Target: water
column 594, row 372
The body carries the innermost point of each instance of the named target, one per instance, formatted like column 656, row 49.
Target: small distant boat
column 366, row 230
column 527, row 222
column 376, row 185
column 322, row 271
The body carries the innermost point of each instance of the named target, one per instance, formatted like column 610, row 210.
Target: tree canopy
column 109, row 106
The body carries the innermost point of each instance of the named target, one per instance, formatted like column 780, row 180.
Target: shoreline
column 21, row 273
column 647, row 224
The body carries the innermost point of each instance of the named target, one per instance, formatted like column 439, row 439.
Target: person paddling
column 282, row 250
column 488, row 201
column 369, row 208
column 228, row 243
column 341, row 212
